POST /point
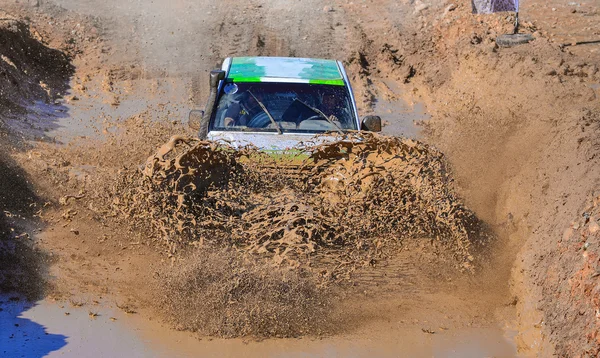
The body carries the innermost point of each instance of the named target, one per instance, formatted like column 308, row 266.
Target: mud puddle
column 41, row 118
column 60, row 329
column 255, row 247
column 399, row 117
column 90, row 113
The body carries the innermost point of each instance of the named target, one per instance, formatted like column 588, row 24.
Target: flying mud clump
column 334, row 206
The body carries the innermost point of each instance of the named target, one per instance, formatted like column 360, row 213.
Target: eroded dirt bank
column 519, row 128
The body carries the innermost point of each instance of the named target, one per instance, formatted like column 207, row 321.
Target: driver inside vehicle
column 330, row 105
column 237, row 113
column 283, row 107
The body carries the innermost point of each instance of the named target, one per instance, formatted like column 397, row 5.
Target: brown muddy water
column 57, row 329
column 91, row 114
column 400, row 118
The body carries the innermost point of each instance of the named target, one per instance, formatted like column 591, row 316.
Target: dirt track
column 519, row 128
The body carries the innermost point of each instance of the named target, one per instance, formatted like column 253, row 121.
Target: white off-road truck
column 276, row 103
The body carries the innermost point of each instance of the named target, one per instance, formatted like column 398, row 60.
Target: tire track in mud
column 308, row 28
column 275, row 28
column 233, row 35
column 191, row 39
column 235, row 31
column 377, row 46
column 281, row 28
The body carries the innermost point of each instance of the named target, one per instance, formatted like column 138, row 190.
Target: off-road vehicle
column 275, row 103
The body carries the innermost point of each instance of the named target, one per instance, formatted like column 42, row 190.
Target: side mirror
column 215, row 77
column 195, row 118
column 371, row 124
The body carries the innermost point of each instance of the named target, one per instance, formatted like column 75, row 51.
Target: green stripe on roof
column 327, row 82
column 252, row 69
column 243, row 79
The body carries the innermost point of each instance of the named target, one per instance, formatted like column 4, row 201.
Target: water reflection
column 23, row 337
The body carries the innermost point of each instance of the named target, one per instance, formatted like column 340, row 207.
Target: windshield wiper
column 318, row 111
column 267, row 112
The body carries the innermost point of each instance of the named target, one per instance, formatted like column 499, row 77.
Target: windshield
column 283, row 107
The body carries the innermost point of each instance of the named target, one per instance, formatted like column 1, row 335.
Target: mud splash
column 336, row 206
column 224, row 293
column 260, row 242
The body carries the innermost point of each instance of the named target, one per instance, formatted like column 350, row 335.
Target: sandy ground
column 518, row 127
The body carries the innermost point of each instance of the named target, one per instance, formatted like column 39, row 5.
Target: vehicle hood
column 269, row 141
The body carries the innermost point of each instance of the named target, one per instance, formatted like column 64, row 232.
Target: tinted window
column 294, row 107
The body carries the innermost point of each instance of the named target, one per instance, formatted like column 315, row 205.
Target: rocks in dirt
column 590, row 70
column 572, row 283
column 593, row 226
column 476, row 39
column 510, row 40
column 327, row 8
column 449, row 9
column 491, row 47
column 420, row 6
column 591, row 96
